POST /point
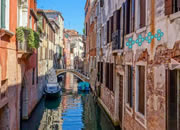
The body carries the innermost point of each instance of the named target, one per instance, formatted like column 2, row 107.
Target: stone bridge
column 76, row 73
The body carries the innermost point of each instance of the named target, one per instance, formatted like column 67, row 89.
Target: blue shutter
column 3, row 12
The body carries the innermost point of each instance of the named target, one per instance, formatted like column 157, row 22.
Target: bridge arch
column 77, row 74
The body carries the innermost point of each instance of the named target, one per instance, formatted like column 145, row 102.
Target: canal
column 73, row 111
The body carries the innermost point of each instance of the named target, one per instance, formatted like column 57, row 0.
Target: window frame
column 7, row 11
column 128, row 109
column 137, row 20
column 127, row 83
column 139, row 114
column 168, row 71
column 175, row 7
column 30, row 22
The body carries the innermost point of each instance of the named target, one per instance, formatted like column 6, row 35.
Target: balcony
column 116, row 40
column 27, row 41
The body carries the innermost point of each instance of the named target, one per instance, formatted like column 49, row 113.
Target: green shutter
column 3, row 12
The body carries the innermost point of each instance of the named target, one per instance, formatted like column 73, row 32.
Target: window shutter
column 168, row 7
column 112, row 26
column 131, row 87
column 101, row 72
column 107, row 32
column 109, row 29
column 3, row 13
column 178, row 5
column 123, row 24
column 125, row 13
column 133, row 16
column 118, row 21
column 115, row 20
column 141, row 89
column 111, row 76
column 143, row 13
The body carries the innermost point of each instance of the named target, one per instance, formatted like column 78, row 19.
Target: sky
column 72, row 11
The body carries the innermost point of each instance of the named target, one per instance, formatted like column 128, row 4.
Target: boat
column 83, row 86
column 52, row 90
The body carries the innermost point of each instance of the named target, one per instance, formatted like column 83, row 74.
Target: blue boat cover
column 84, row 86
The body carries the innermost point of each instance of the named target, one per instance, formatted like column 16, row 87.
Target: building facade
column 138, row 62
column 57, row 21
column 18, row 63
column 74, row 47
column 46, row 48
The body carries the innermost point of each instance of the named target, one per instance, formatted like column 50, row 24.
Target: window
column 101, row 3
column 99, row 70
column 176, row 6
column 33, row 72
column 111, row 76
column 130, row 85
column 111, row 28
column 140, row 89
column 172, row 6
column 130, row 16
column 107, row 75
column 173, row 99
column 108, row 32
column 72, row 50
column 117, row 31
column 118, row 22
column 141, row 19
column 101, row 78
column 4, row 14
column 30, row 22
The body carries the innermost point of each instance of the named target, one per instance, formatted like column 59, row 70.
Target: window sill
column 129, row 35
column 174, row 16
column 129, row 110
column 140, row 30
column 119, row 51
column 5, row 32
column 141, row 119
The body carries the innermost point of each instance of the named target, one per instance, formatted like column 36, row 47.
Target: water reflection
column 73, row 111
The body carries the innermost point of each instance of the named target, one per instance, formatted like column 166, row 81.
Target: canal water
column 73, row 111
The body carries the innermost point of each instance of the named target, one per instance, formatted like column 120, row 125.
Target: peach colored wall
column 14, row 71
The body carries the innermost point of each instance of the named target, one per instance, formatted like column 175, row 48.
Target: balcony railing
column 116, row 40
column 27, row 40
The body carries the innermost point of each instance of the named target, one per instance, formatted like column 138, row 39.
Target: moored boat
column 83, row 86
column 52, row 90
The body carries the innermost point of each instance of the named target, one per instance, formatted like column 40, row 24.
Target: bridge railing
column 78, row 73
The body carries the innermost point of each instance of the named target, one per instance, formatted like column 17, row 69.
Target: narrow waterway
column 73, row 111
